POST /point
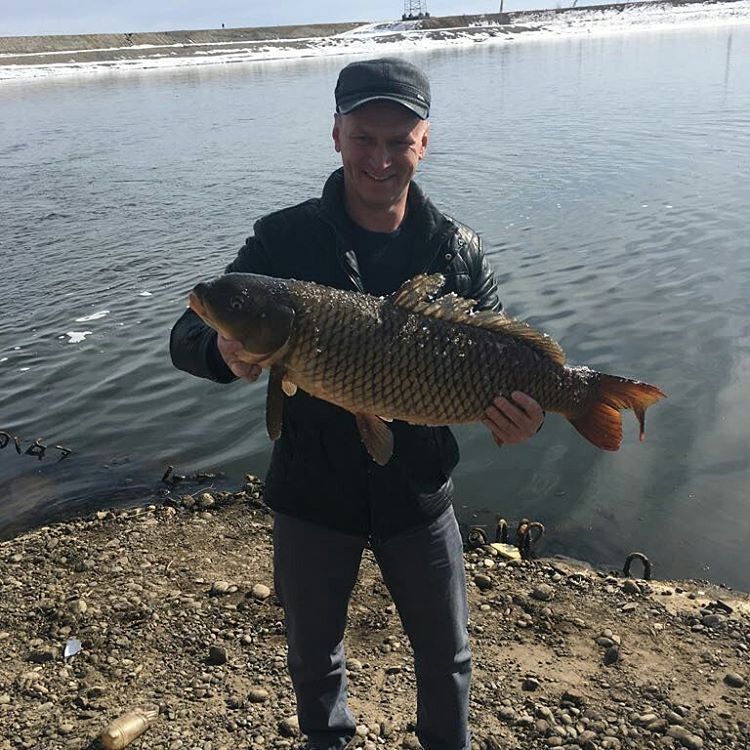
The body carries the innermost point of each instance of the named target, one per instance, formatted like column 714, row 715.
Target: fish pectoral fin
column 275, row 401
column 288, row 387
column 377, row 437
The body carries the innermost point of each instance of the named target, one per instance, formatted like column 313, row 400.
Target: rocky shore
column 173, row 607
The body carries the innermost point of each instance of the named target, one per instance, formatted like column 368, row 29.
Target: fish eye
column 236, row 303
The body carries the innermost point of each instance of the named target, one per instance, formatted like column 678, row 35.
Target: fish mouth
column 196, row 304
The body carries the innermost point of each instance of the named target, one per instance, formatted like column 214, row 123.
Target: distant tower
column 414, row 9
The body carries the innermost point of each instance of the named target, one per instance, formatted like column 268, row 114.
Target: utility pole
column 501, row 6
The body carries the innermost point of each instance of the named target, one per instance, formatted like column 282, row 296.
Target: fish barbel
column 412, row 356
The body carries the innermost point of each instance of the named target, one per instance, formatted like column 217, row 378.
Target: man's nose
column 380, row 157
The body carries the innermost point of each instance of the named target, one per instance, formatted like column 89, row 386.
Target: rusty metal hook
column 501, row 530
column 526, row 536
column 477, row 537
column 637, row 556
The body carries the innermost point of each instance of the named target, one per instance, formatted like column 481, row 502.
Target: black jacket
column 319, row 470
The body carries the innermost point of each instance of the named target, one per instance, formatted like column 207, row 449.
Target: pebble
column 631, row 587
column 483, row 582
column 530, row 684
column 289, row 727
column 543, row 592
column 217, row 655
column 629, row 607
column 353, row 665
column 734, row 680
column 690, row 741
column 573, row 696
column 260, row 592
column 712, row 620
column 258, row 695
column 42, row 655
column 612, row 655
column 220, row 588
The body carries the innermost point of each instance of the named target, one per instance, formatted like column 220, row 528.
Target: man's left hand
column 513, row 421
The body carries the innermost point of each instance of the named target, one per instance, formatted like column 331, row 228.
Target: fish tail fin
column 601, row 424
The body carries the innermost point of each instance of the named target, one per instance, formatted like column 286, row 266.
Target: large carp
column 413, row 356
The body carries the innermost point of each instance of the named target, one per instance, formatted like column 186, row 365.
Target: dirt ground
column 173, row 606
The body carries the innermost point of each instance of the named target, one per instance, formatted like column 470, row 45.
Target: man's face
column 380, row 144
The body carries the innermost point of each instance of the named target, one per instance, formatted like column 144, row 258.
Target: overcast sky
column 24, row 17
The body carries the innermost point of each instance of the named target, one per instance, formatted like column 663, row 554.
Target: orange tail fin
column 600, row 424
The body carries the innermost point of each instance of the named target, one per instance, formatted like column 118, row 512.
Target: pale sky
column 31, row 17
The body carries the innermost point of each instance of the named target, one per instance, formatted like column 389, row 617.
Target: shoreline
column 174, row 607
column 32, row 57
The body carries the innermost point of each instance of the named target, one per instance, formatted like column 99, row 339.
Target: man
column 371, row 230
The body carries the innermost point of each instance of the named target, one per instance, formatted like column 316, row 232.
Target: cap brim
column 420, row 110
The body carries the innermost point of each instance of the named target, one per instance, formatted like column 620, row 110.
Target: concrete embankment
column 24, row 45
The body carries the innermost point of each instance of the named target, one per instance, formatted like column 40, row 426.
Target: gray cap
column 385, row 78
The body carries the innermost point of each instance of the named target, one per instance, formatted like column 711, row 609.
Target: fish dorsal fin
column 418, row 295
column 413, row 293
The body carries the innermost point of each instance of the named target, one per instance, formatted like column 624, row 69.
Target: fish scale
column 369, row 348
column 414, row 356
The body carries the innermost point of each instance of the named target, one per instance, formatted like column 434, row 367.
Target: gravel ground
column 174, row 608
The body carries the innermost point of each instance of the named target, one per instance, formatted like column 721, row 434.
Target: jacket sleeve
column 483, row 284
column 192, row 344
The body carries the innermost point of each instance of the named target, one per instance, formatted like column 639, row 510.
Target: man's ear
column 337, row 132
column 424, row 141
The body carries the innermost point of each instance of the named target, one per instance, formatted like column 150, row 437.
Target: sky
column 32, row 17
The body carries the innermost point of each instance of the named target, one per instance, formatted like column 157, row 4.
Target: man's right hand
column 230, row 351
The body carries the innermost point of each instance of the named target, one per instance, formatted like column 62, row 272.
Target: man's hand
column 230, row 351
column 512, row 422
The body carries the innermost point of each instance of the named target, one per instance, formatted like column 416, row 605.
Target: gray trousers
column 314, row 573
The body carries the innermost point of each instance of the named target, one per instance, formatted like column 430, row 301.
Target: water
column 607, row 176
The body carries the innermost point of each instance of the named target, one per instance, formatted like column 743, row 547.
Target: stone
column 258, row 695
column 289, row 727
column 574, row 696
column 611, row 655
column 631, row 587
column 483, row 582
column 353, row 665
column 217, row 655
column 530, row 684
column 260, row 592
column 690, row 741
column 629, row 607
column 734, row 680
column 712, row 620
column 42, row 655
column 543, row 592
column 220, row 588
